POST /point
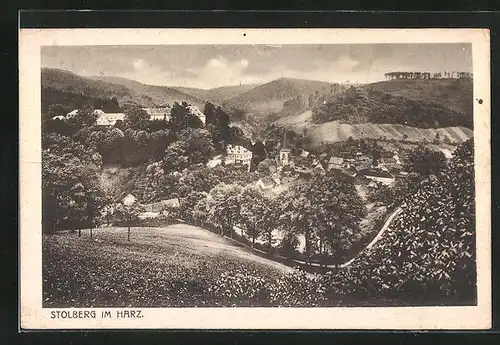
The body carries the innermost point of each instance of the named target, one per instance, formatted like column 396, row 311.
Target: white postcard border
column 33, row 316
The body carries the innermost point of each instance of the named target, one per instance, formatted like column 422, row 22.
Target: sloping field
column 179, row 265
column 334, row 131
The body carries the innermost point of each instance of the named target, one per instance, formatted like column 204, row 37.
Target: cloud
column 219, row 71
column 139, row 64
column 347, row 63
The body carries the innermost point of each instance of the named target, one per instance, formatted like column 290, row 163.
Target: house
column 335, row 163
column 195, row 111
column 109, row 119
column 159, row 114
column 217, row 160
column 129, row 200
column 171, row 203
column 72, row 113
column 237, row 154
column 154, row 207
column 304, row 154
column 149, row 215
column 265, row 183
column 377, row 175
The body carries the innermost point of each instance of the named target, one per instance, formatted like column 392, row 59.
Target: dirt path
column 377, row 237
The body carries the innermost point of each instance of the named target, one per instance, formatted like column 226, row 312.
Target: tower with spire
column 285, row 152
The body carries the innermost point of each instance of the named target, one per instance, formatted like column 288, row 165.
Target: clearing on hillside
column 175, row 266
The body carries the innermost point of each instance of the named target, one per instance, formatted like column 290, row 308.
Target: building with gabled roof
column 129, row 200
column 109, row 119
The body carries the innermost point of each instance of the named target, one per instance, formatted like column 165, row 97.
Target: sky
column 209, row 66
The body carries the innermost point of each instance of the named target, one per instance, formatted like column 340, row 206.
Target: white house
column 238, row 155
column 335, row 163
column 159, row 114
column 377, row 175
column 217, row 160
column 266, row 183
column 195, row 111
column 171, row 203
column 109, row 119
column 129, row 200
column 72, row 113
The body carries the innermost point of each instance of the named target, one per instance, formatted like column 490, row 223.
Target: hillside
column 430, row 245
column 219, row 94
column 269, row 98
column 158, row 94
column 175, row 266
column 64, row 86
column 417, row 103
column 334, row 131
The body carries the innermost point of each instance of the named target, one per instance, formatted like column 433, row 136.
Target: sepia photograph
column 284, row 175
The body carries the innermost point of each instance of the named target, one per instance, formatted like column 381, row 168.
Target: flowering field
column 177, row 266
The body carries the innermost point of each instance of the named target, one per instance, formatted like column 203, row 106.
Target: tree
column 253, row 208
column 86, row 116
column 327, row 207
column 188, row 204
column 258, row 154
column 199, row 146
column 112, row 145
column 425, row 161
column 71, row 195
column 224, row 206
column 175, row 158
column 135, row 117
column 129, row 214
column 180, row 115
column 210, row 113
column 289, row 244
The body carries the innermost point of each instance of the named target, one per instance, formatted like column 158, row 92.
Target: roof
column 376, row 173
column 304, row 153
column 171, row 202
column 336, row 160
column 129, row 199
column 157, row 111
column 237, row 149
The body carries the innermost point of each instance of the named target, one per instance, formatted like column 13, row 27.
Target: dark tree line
column 427, row 75
column 357, row 105
column 69, row 101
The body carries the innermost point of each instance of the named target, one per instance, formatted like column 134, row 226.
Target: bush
column 429, row 249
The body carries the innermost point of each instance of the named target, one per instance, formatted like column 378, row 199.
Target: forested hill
column 416, row 103
column 219, row 94
column 269, row 98
column 69, row 89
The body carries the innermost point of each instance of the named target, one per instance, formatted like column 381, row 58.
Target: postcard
column 255, row 179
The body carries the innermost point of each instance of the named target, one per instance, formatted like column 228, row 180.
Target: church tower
column 285, row 153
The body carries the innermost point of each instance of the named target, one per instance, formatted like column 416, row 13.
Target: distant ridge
column 263, row 100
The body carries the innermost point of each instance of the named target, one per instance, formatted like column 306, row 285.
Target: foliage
column 424, row 161
column 224, row 206
column 361, row 105
column 429, row 249
column 135, row 117
column 72, row 197
column 289, row 244
column 253, row 207
column 326, row 207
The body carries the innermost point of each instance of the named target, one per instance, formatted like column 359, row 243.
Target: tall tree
column 253, row 206
column 425, row 161
column 135, row 117
column 224, row 207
